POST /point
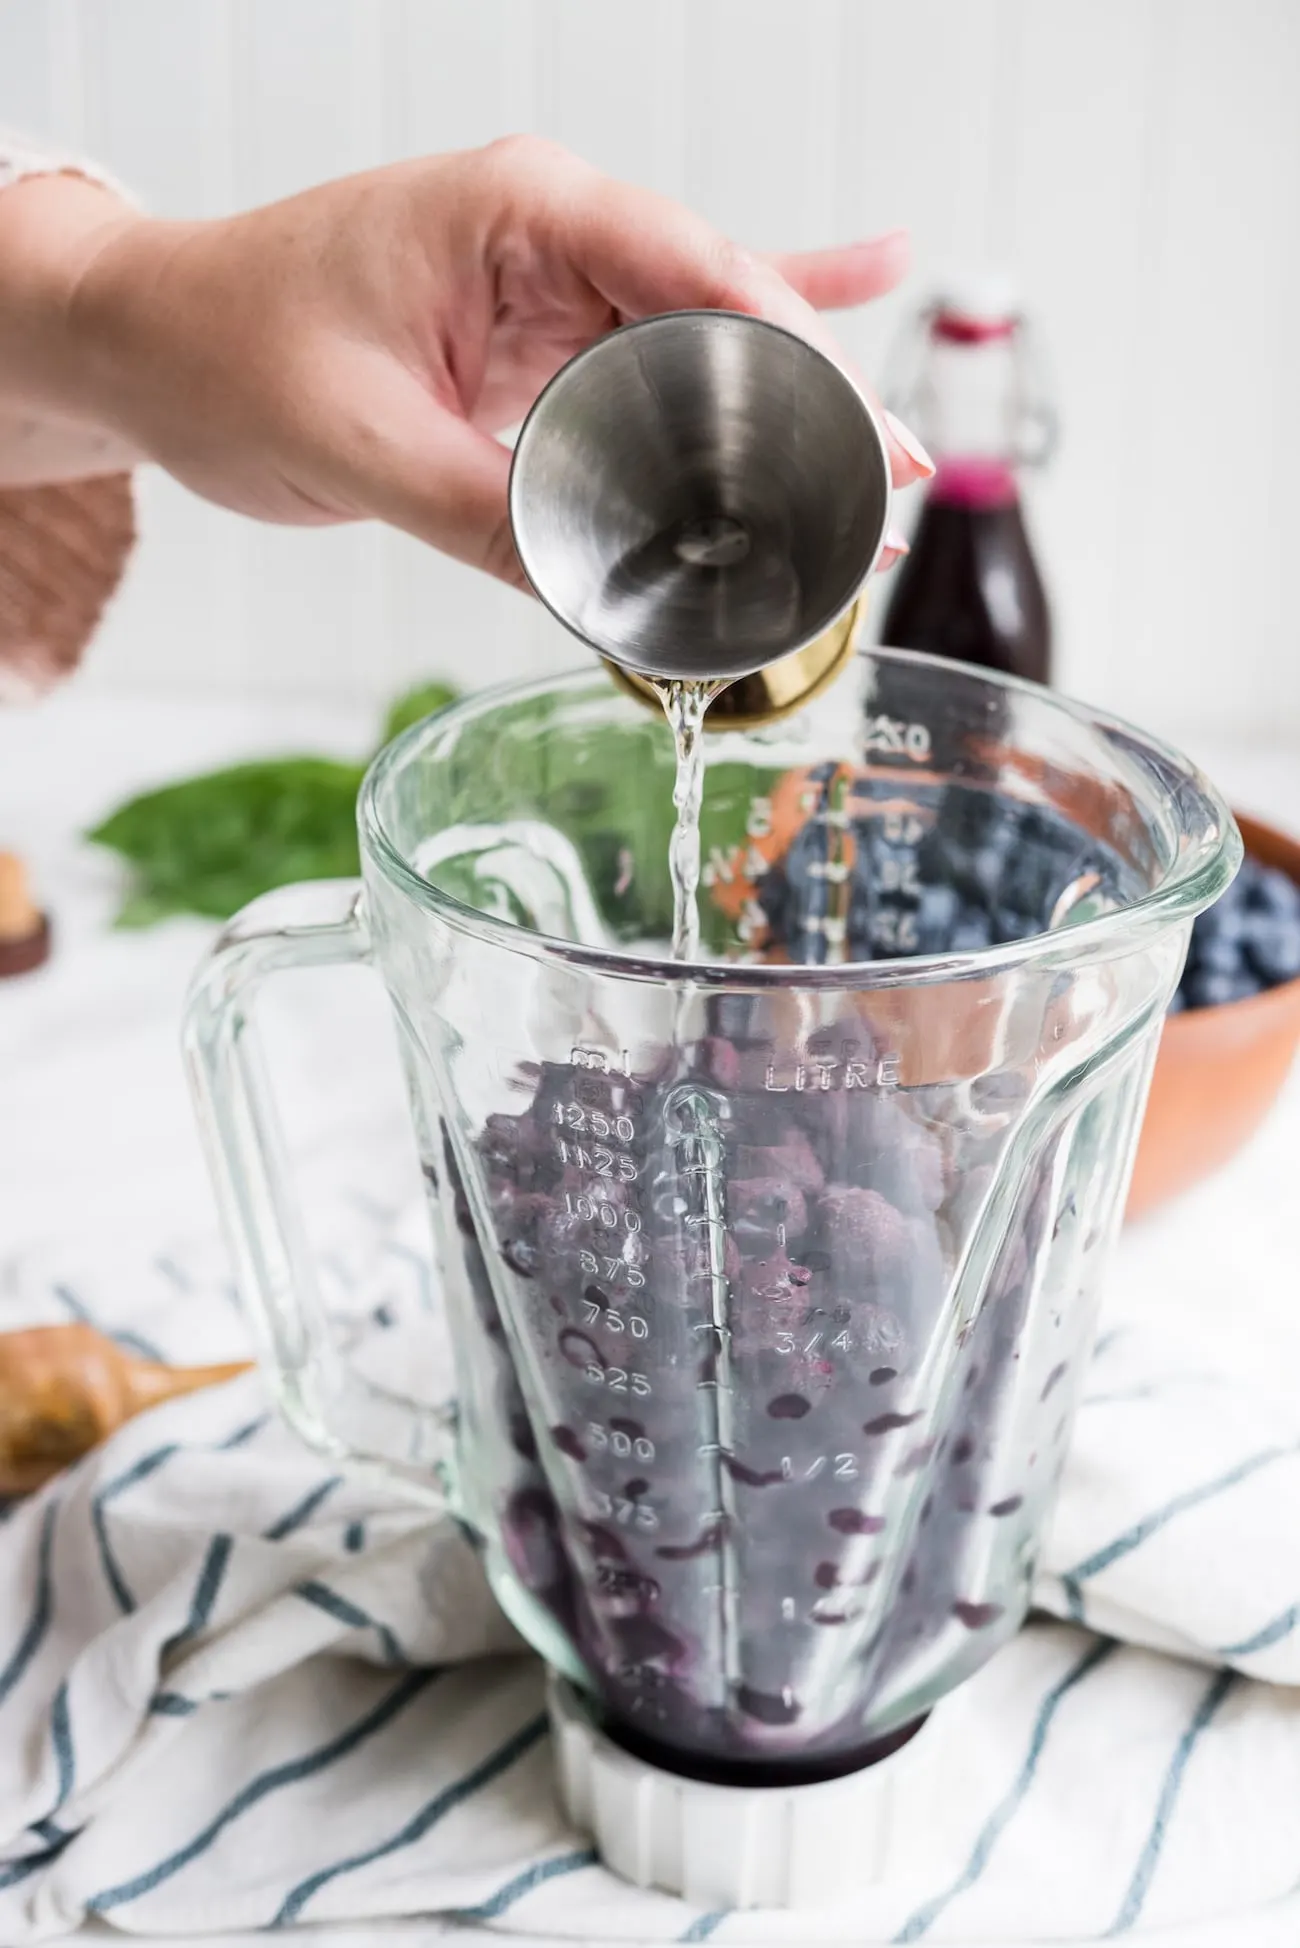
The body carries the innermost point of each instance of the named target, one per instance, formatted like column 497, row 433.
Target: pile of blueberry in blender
column 759, row 1478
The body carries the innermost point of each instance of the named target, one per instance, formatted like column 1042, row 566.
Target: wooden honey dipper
column 24, row 929
column 64, row 1389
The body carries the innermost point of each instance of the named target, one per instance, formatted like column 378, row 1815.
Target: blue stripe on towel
column 1000, row 1818
column 242, row 1434
column 170, row 1704
column 51, row 1832
column 302, row 1511
column 18, row 1870
column 38, row 1620
column 524, row 1883
column 442, row 1803
column 1264, row 1639
column 1132, row 1538
column 131, row 1341
column 138, row 1471
column 1131, row 1906
column 322, row 1597
column 705, row 1926
column 287, row 1774
column 208, row 1585
column 65, row 1757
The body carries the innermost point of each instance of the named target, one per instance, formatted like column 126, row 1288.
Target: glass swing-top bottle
column 968, row 379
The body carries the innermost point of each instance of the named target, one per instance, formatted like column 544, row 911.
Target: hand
column 350, row 353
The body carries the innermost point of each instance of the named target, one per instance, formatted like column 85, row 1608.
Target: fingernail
column 911, row 446
column 893, row 548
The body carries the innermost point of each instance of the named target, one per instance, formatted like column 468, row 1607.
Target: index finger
column 847, row 274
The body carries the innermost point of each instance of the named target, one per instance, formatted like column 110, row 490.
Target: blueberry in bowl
column 1234, row 1024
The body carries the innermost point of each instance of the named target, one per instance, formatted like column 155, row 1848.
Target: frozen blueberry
column 568, row 1443
column 1218, row 954
column 1268, row 890
column 937, row 913
column 521, row 1256
column 888, row 1423
column 793, row 1161
column 853, row 1521
column 972, row 932
column 1274, row 949
column 911, row 1174
column 1010, row 925
column 709, row 1539
column 767, row 1709
column 1216, row 990
column 866, row 1233
column 765, row 1212
column 788, row 1406
column 977, row 1616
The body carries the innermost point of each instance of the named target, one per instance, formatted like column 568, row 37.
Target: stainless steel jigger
column 702, row 495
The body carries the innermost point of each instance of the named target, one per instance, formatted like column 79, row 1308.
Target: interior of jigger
column 772, row 1327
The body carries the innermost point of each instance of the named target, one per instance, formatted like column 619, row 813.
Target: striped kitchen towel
column 238, row 1691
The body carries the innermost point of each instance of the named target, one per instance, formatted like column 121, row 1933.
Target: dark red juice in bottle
column 970, row 588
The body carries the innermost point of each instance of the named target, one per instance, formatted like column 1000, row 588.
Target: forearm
column 52, row 228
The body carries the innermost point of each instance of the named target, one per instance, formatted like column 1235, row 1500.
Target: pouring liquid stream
column 684, row 706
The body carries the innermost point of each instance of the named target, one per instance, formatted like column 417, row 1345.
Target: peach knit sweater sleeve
column 63, row 547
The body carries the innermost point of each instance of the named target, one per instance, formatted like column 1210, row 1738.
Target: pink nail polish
column 911, row 446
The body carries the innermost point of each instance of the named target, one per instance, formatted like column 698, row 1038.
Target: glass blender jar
column 770, row 1277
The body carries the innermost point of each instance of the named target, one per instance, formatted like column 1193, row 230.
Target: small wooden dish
column 1219, row 1070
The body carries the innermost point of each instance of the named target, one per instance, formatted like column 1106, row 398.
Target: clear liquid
column 684, row 706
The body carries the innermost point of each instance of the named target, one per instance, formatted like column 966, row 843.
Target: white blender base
column 739, row 1846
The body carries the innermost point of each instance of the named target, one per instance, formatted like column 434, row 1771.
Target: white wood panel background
column 1136, row 163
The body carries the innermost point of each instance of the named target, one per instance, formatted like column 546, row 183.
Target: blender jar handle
column 332, row 1407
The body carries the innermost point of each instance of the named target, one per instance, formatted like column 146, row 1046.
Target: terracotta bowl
column 1219, row 1070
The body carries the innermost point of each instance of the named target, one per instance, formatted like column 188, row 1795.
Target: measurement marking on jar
column 618, row 1379
column 602, row 1063
column 891, row 737
column 890, row 928
column 811, row 1074
column 788, row 1343
column 843, row 1467
column 583, row 1121
column 596, row 1209
column 612, row 1320
column 614, row 1271
column 614, row 1165
column 623, row 1446
column 623, row 1512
